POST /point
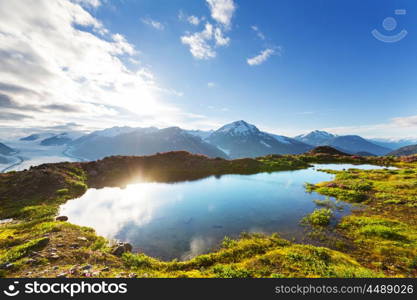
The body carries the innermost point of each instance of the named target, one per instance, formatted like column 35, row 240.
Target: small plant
column 228, row 242
column 319, row 217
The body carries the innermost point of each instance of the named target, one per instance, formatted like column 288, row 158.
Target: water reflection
column 181, row 220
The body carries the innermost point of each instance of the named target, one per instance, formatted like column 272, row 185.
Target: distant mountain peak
column 318, row 133
column 239, row 128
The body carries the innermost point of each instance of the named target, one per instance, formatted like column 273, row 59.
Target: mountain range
column 352, row 144
column 140, row 141
column 234, row 140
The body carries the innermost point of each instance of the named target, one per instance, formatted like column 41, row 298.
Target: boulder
column 61, row 218
column 121, row 248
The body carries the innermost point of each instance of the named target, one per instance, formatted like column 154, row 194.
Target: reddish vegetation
column 409, row 158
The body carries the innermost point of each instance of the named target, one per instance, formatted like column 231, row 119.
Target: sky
column 287, row 66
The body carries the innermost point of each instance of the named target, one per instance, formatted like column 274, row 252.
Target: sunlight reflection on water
column 184, row 219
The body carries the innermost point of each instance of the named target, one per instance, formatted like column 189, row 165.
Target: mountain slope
column 60, row 139
column 355, row 143
column 407, row 150
column 32, row 137
column 141, row 141
column 241, row 139
column 6, row 150
column 57, row 140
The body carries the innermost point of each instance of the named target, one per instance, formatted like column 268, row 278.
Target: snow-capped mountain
column 57, row 140
column 115, row 131
column 316, row 138
column 203, row 134
column 393, row 143
column 241, row 139
column 37, row 136
column 141, row 141
column 347, row 143
column 51, row 138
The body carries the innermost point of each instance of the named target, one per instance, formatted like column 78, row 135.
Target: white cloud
column 202, row 44
column 261, row 57
column 211, row 84
column 59, row 64
column 222, row 11
column 406, row 121
column 395, row 128
column 220, row 39
column 258, row 32
column 199, row 43
column 92, row 3
column 193, row 20
column 155, row 24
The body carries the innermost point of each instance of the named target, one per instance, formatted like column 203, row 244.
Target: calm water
column 181, row 220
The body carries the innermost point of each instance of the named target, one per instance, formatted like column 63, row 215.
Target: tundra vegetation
column 378, row 239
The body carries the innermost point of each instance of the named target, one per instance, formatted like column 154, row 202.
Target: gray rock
column 6, row 266
column 54, row 256
column 31, row 261
column 86, row 267
column 121, row 248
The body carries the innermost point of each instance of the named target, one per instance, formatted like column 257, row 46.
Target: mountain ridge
column 346, row 143
column 404, row 151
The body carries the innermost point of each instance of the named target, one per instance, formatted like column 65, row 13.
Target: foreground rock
column 61, row 218
column 121, row 248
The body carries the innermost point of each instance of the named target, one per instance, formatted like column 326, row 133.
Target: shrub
column 319, row 217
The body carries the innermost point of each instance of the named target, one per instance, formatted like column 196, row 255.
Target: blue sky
column 321, row 66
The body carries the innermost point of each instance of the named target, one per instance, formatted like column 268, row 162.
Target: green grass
column 384, row 231
column 22, row 250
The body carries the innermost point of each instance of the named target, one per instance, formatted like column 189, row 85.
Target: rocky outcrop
column 121, row 248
